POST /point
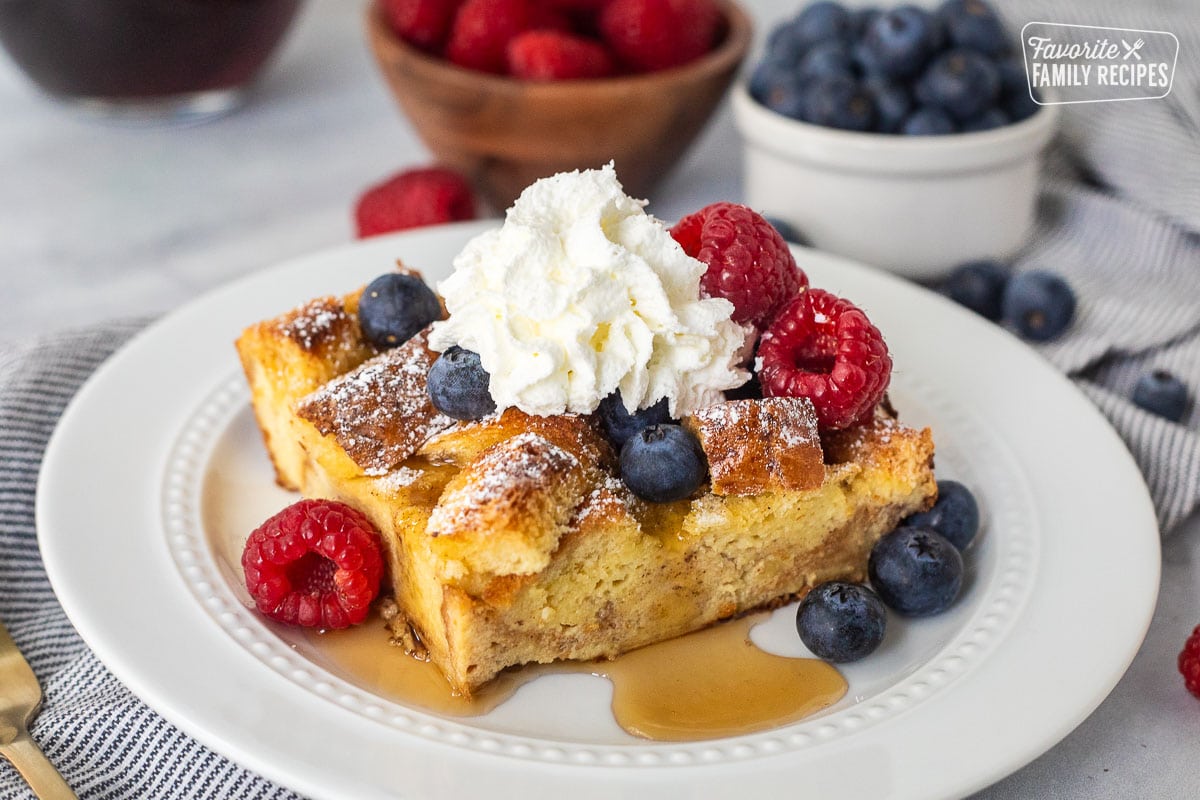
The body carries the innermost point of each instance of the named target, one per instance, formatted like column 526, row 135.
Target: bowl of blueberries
column 906, row 137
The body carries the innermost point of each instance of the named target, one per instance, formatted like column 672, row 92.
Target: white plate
column 156, row 472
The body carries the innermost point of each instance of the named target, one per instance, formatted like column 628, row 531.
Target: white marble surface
column 98, row 221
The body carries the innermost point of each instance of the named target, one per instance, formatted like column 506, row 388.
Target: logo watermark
column 1089, row 64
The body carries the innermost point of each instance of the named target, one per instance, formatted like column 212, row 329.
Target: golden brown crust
column 379, row 413
column 462, row 443
column 755, row 446
column 504, row 513
column 323, row 327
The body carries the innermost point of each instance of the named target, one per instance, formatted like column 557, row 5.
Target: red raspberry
column 555, row 56
column 824, row 348
column 577, row 5
column 1189, row 662
column 650, row 35
column 584, row 16
column 483, row 28
column 413, row 198
column 424, row 23
column 316, row 563
column 749, row 263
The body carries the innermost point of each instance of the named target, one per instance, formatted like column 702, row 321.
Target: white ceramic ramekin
column 915, row 205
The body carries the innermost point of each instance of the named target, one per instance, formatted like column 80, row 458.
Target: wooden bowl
column 505, row 133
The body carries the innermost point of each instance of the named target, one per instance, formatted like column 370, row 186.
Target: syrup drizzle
column 704, row 685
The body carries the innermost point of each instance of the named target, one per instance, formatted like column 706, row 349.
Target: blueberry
column 867, row 63
column 861, row 19
column 822, row 22
column 899, row 42
column 764, row 76
column 841, row 622
column 955, row 515
column 778, row 88
column 1015, row 97
column 1038, row 304
column 786, row 45
column 974, row 25
column 987, row 120
column 395, row 307
column 916, row 571
column 619, row 424
column 787, row 230
column 928, row 122
column 961, row 82
column 826, row 59
column 662, row 463
column 1161, row 393
column 458, row 385
column 978, row 285
column 893, row 102
column 838, row 102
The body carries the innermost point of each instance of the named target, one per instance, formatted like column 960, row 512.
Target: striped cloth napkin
column 1120, row 218
column 105, row 741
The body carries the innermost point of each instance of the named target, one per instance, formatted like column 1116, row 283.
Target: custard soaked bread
column 550, row 458
column 511, row 539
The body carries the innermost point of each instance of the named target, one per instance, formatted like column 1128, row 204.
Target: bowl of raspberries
column 906, row 137
column 509, row 91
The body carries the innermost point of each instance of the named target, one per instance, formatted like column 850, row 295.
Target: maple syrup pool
column 712, row 683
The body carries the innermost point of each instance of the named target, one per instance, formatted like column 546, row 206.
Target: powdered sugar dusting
column 575, row 433
column 315, row 323
column 380, row 413
column 754, row 445
column 879, row 430
column 790, row 420
column 525, row 458
column 795, row 424
column 505, row 473
column 399, row 478
column 609, row 498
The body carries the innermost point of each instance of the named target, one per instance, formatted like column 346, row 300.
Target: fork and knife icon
column 1132, row 49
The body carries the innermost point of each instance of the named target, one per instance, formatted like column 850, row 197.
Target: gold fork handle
column 36, row 769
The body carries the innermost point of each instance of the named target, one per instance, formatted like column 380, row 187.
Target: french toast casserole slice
column 511, row 540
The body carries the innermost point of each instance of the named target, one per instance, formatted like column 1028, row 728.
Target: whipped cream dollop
column 581, row 293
